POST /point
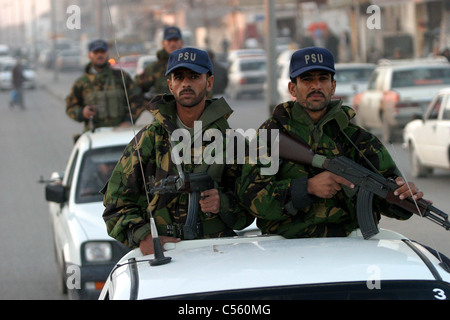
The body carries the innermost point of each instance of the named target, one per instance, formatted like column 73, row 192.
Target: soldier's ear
column 209, row 82
column 292, row 87
column 169, row 83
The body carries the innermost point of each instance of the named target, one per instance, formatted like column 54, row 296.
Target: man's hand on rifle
column 89, row 111
column 146, row 245
column 327, row 184
column 210, row 201
column 404, row 192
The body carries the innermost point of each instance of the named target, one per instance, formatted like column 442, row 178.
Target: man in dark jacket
column 18, row 79
column 153, row 79
column 98, row 98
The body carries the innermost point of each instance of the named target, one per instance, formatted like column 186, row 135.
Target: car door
column 428, row 138
column 369, row 106
column 441, row 135
column 62, row 232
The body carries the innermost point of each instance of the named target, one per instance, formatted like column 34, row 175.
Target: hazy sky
column 15, row 11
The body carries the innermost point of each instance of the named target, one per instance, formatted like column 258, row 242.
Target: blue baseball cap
column 98, row 45
column 311, row 58
column 172, row 33
column 191, row 58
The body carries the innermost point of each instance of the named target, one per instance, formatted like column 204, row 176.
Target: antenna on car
column 159, row 258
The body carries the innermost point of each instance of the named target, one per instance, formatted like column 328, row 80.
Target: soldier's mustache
column 187, row 91
column 315, row 92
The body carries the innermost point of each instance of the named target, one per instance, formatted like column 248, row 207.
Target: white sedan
column 428, row 139
column 6, row 68
column 85, row 253
column 268, row 267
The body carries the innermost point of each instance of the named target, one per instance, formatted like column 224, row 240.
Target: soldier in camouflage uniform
column 153, row 79
column 98, row 98
column 125, row 214
column 303, row 201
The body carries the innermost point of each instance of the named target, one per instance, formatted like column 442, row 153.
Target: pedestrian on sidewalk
column 18, row 79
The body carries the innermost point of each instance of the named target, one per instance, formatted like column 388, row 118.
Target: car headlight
column 98, row 251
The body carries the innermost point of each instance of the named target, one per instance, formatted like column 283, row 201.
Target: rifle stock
column 367, row 183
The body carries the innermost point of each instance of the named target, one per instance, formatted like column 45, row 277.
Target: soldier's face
column 313, row 90
column 188, row 87
column 99, row 57
column 172, row 45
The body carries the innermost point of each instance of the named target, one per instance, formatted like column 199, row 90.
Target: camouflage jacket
column 110, row 101
column 126, row 215
column 281, row 202
column 153, row 78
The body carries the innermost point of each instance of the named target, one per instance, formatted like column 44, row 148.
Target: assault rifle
column 192, row 183
column 367, row 183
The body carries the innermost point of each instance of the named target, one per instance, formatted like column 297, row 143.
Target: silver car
column 246, row 76
column 397, row 91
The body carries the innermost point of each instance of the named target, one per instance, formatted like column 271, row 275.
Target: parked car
column 283, row 62
column 6, row 67
column 242, row 53
column 397, row 91
column 69, row 59
column 128, row 64
column 428, row 139
column 270, row 267
column 246, row 75
column 143, row 62
column 351, row 78
column 83, row 249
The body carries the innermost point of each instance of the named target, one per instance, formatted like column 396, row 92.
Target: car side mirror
column 56, row 193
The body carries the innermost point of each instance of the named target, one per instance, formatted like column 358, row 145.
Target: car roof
column 105, row 137
column 408, row 63
column 212, row 265
column 444, row 91
column 344, row 65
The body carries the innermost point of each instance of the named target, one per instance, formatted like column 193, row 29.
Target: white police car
column 387, row 266
column 85, row 253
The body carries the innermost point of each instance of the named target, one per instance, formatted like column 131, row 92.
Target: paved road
column 34, row 142
column 37, row 141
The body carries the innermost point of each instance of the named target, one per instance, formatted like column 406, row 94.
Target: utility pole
column 54, row 33
column 272, row 92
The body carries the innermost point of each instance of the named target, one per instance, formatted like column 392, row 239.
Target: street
column 37, row 141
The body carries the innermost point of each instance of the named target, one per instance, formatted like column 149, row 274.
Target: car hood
column 271, row 261
column 90, row 220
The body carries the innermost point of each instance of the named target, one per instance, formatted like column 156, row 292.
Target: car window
column 433, row 112
column 446, row 114
column 353, row 75
column 96, row 168
column 253, row 65
column 392, row 290
column 421, row 77
column 373, row 80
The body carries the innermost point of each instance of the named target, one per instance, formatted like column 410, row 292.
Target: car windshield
column 95, row 170
column 253, row 65
column 387, row 290
column 421, row 77
column 353, row 75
